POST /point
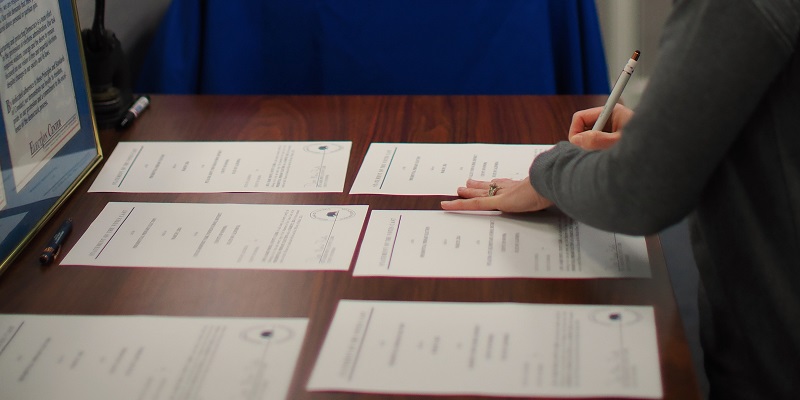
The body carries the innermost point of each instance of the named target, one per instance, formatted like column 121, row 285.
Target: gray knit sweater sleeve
column 718, row 58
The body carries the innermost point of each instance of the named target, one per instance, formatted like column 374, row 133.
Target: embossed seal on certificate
column 333, row 214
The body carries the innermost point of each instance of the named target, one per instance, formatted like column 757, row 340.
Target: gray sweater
column 716, row 136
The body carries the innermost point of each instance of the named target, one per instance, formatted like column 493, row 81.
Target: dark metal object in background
column 109, row 74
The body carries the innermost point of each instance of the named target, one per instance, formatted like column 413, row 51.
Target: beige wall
column 629, row 25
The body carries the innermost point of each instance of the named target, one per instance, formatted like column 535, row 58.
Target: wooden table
column 28, row 288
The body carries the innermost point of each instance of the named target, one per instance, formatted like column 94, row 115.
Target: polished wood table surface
column 28, row 288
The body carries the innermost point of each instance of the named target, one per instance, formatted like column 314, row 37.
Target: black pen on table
column 134, row 111
column 51, row 251
column 616, row 92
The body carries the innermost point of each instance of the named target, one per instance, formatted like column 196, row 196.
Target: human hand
column 580, row 133
column 510, row 196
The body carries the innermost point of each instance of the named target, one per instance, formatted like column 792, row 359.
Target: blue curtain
column 377, row 47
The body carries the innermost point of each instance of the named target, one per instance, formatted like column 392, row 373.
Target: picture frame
column 48, row 134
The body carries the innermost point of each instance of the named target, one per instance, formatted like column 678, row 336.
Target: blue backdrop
column 377, row 47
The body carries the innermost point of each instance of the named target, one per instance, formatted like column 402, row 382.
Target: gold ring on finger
column 493, row 189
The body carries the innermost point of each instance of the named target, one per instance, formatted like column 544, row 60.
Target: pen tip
column 635, row 55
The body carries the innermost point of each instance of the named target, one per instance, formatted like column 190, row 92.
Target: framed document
column 48, row 135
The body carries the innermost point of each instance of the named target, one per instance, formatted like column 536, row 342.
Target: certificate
column 48, row 139
column 428, row 243
column 230, row 236
column 39, row 107
column 206, row 167
column 490, row 349
column 439, row 168
column 147, row 357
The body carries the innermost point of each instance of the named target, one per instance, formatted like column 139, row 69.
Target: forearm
column 713, row 73
column 594, row 189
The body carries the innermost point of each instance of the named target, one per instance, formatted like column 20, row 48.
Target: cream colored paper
column 226, row 236
column 491, row 349
column 207, row 167
column 147, row 357
column 428, row 243
column 439, row 168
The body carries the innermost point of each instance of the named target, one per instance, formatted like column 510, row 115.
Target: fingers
column 477, row 188
column 503, row 182
column 476, row 184
column 620, row 117
column 584, row 120
column 471, row 204
column 475, row 197
column 512, row 196
column 581, row 135
column 595, row 140
column 469, row 193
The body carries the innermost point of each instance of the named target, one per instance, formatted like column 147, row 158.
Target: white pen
column 626, row 73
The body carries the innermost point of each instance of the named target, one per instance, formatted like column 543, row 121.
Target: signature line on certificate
column 328, row 240
column 360, row 345
column 396, row 233
column 321, row 165
column 388, row 167
column 115, row 233
column 12, row 337
column 130, row 166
